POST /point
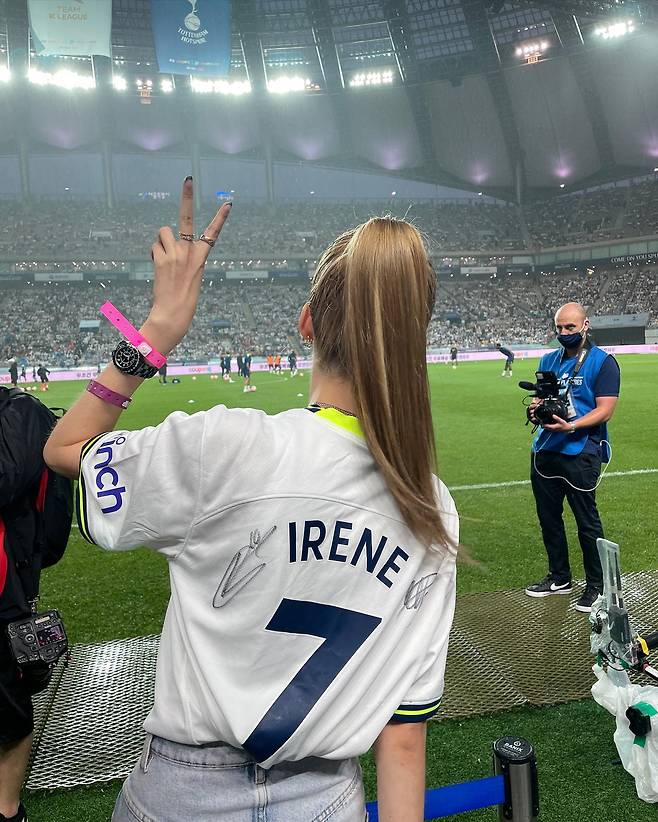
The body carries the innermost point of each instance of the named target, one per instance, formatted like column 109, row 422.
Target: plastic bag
column 614, row 691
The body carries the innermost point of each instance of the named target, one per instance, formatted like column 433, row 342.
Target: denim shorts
column 219, row 783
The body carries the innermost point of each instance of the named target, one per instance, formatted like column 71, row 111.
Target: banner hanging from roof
column 192, row 36
column 78, row 28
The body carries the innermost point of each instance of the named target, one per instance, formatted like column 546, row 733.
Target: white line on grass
column 484, row 485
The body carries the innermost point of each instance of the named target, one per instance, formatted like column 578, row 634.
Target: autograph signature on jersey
column 241, row 569
column 417, row 592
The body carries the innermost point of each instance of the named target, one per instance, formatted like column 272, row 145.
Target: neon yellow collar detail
column 345, row 421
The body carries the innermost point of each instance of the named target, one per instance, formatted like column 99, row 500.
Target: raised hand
column 178, row 269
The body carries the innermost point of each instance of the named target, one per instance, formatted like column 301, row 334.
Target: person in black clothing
column 507, row 371
column 162, row 374
column 226, row 367
column 13, row 372
column 567, row 454
column 23, row 374
column 246, row 373
column 292, row 362
column 453, row 356
column 22, row 466
column 43, row 372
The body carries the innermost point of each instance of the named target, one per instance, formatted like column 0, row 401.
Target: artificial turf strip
column 481, row 438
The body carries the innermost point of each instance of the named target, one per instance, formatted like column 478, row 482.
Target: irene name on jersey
column 314, row 539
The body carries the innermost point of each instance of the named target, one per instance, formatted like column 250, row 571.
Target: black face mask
column 571, row 340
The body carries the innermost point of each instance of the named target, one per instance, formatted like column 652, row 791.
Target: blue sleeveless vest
column 584, row 401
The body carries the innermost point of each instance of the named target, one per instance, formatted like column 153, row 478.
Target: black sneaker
column 19, row 816
column 548, row 587
column 587, row 598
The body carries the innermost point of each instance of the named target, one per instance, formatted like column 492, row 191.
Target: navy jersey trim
column 81, row 496
column 417, row 713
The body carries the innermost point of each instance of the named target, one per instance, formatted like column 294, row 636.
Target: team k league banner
column 192, row 36
column 79, row 28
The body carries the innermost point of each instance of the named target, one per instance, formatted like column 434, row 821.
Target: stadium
column 520, row 137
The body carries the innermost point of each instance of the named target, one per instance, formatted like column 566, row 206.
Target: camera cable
column 564, row 479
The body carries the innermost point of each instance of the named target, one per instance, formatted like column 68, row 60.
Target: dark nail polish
column 189, row 177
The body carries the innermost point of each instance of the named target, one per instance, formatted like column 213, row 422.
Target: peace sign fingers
column 212, row 232
column 186, row 211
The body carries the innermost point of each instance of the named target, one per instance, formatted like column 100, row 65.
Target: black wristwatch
column 129, row 361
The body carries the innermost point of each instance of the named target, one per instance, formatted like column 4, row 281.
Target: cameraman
column 567, row 454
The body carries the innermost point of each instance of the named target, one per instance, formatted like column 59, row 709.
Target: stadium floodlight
column 531, row 50
column 231, row 87
column 167, row 85
column 119, row 83
column 372, row 78
column 5, row 74
column 63, row 78
column 614, row 30
column 284, row 85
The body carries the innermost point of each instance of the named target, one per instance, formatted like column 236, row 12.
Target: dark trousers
column 583, row 471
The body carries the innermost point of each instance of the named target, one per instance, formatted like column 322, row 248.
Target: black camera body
column 547, row 389
column 38, row 639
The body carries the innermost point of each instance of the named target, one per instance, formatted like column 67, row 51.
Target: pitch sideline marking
column 484, row 485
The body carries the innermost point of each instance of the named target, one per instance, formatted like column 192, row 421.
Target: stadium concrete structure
column 517, row 100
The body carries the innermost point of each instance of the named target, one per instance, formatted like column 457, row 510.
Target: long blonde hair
column 371, row 302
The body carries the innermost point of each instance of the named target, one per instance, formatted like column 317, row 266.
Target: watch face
column 126, row 357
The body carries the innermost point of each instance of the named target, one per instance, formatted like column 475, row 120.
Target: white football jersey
column 304, row 614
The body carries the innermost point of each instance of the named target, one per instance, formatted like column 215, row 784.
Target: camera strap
column 582, row 356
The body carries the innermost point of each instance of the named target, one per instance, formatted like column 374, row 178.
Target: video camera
column 547, row 389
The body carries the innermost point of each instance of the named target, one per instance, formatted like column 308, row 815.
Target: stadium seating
column 84, row 231
column 607, row 214
column 81, row 231
column 41, row 321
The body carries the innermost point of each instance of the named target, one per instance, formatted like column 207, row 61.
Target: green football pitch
column 483, row 448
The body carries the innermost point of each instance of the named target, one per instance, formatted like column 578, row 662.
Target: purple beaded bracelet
column 107, row 395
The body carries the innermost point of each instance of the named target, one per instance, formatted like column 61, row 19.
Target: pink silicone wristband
column 107, row 395
column 133, row 336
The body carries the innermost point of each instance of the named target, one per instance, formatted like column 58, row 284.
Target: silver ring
column 208, row 240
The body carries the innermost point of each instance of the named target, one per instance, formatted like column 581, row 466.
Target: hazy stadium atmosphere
column 520, row 137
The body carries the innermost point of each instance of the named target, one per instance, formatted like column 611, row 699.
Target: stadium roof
column 482, row 94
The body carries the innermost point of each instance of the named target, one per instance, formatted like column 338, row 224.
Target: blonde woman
column 311, row 554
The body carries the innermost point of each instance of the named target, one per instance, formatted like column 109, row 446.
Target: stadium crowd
column 612, row 213
column 41, row 322
column 90, row 231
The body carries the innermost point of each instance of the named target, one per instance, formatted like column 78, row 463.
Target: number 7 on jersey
column 344, row 633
